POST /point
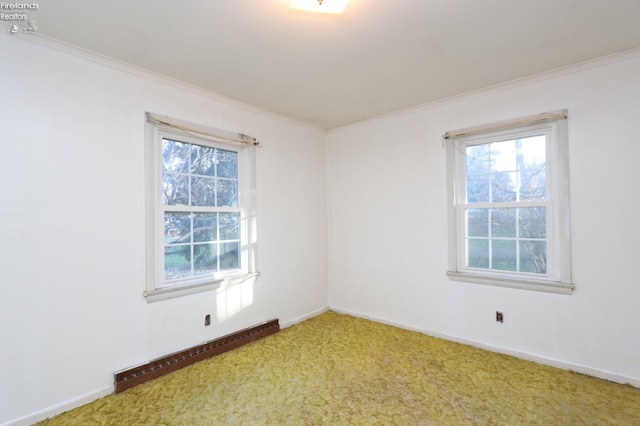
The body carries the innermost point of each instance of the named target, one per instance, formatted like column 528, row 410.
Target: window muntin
column 509, row 221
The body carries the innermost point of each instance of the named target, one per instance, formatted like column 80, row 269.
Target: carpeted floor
column 339, row 370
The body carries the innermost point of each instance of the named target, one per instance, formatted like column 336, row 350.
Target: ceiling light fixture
column 319, row 6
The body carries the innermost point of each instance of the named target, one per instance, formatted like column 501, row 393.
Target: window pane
column 175, row 189
column 227, row 193
column 503, row 156
column 478, row 222
column 203, row 191
column 503, row 223
column 229, row 256
column 205, row 258
column 533, row 185
column 533, row 222
column 227, row 164
column 503, row 187
column 478, row 253
column 533, row 256
column 478, row 189
column 177, row 250
column 531, row 152
column 503, row 255
column 177, row 228
column 203, row 160
column 175, row 156
column 179, row 246
column 229, row 226
column 205, row 227
column 177, row 262
column 477, row 159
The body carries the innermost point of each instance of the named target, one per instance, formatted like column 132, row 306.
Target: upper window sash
column 468, row 141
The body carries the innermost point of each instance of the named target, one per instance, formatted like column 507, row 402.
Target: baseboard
column 578, row 368
column 126, row 379
column 377, row 319
column 305, row 317
column 60, row 408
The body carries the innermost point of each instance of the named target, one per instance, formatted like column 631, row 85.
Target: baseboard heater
column 126, row 379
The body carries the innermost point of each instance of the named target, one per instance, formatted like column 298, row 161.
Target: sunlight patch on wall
column 233, row 298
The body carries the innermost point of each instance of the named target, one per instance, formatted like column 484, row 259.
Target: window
column 200, row 221
column 509, row 204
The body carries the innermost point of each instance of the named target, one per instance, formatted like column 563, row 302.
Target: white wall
column 72, row 228
column 388, row 224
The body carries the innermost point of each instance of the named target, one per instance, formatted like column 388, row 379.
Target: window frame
column 557, row 278
column 156, row 288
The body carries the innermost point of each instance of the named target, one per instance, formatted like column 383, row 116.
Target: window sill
column 185, row 290
column 523, row 284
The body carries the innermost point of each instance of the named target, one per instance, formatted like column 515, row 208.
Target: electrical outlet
column 207, row 319
column 499, row 317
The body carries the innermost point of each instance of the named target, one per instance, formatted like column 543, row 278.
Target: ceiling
column 380, row 56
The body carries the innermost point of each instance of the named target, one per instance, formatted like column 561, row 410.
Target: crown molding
column 89, row 55
column 511, row 84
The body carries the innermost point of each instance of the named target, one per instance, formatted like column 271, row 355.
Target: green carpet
column 339, row 370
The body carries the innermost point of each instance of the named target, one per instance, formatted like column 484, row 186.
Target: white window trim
column 558, row 280
column 154, row 132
